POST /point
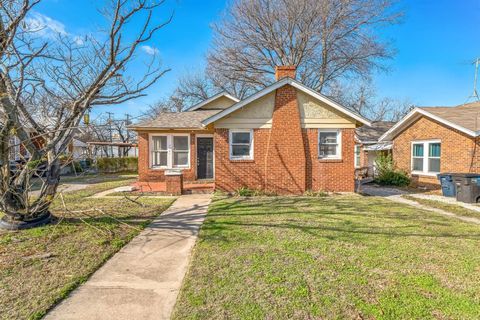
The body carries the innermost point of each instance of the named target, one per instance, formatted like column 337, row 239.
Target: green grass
column 341, row 257
column 41, row 266
column 453, row 208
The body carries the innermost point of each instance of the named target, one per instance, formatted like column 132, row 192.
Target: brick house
column 285, row 138
column 368, row 147
column 431, row 140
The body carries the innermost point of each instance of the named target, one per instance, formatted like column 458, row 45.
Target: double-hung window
column 170, row 151
column 329, row 144
column 241, row 144
column 426, row 157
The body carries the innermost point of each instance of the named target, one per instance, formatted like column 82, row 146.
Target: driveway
column 143, row 279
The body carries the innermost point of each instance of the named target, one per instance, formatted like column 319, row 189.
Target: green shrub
column 319, row 193
column 245, row 192
column 388, row 174
column 112, row 165
column 76, row 165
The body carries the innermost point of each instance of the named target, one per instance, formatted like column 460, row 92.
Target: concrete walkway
column 400, row 199
column 395, row 195
column 143, row 279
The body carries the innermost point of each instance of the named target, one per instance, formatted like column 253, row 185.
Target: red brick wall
column 330, row 175
column 231, row 175
column 457, row 149
column 286, row 161
column 145, row 173
column 326, row 175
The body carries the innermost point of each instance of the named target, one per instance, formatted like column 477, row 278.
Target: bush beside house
column 113, row 165
column 388, row 174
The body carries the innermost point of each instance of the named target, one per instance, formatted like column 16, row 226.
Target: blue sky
column 436, row 45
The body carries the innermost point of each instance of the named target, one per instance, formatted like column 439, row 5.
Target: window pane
column 240, row 137
column 418, row 164
column 328, row 150
column 160, row 158
column 328, row 137
column 418, row 150
column 434, row 165
column 434, row 150
column 240, row 151
column 180, row 158
column 159, row 143
column 180, row 143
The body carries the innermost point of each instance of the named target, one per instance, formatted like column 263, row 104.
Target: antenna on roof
column 475, row 92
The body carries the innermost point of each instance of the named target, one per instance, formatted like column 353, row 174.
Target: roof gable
column 205, row 104
column 277, row 85
column 459, row 118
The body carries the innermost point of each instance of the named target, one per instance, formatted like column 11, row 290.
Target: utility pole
column 475, row 92
column 110, row 114
column 127, row 123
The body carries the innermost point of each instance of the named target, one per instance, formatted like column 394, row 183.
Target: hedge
column 112, row 165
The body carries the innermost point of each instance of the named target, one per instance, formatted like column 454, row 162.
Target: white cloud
column 78, row 40
column 44, row 25
column 150, row 50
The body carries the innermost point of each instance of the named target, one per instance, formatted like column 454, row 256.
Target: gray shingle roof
column 177, row 120
column 374, row 132
column 464, row 115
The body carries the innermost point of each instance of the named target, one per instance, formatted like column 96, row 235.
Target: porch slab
column 188, row 186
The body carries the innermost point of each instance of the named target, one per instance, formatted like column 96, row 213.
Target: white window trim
column 338, row 156
column 232, row 157
column 426, row 150
column 169, row 150
column 15, row 148
column 356, row 160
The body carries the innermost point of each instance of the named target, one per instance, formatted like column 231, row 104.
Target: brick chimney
column 285, row 170
column 285, row 71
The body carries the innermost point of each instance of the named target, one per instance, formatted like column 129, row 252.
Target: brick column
column 286, row 161
column 174, row 182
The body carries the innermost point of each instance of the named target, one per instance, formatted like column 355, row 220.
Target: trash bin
column 448, row 185
column 467, row 186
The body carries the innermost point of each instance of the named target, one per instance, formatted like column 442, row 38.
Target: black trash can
column 448, row 185
column 468, row 187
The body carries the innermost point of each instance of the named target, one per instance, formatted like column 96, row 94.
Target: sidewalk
column 143, row 279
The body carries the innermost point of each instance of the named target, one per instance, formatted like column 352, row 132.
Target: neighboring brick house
column 431, row 140
column 368, row 147
column 286, row 138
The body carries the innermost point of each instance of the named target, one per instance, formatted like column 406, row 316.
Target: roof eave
column 392, row 133
column 213, row 98
column 150, row 128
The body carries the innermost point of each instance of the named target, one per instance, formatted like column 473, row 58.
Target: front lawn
column 40, row 266
column 339, row 257
column 450, row 207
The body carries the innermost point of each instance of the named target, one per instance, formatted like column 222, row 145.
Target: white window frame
column 357, row 155
column 169, row 150
column 338, row 155
column 14, row 148
column 426, row 150
column 230, row 134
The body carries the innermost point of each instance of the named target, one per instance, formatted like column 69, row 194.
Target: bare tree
column 363, row 99
column 326, row 40
column 47, row 86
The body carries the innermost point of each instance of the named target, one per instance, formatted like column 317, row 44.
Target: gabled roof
column 464, row 118
column 371, row 134
column 211, row 99
column 277, row 85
